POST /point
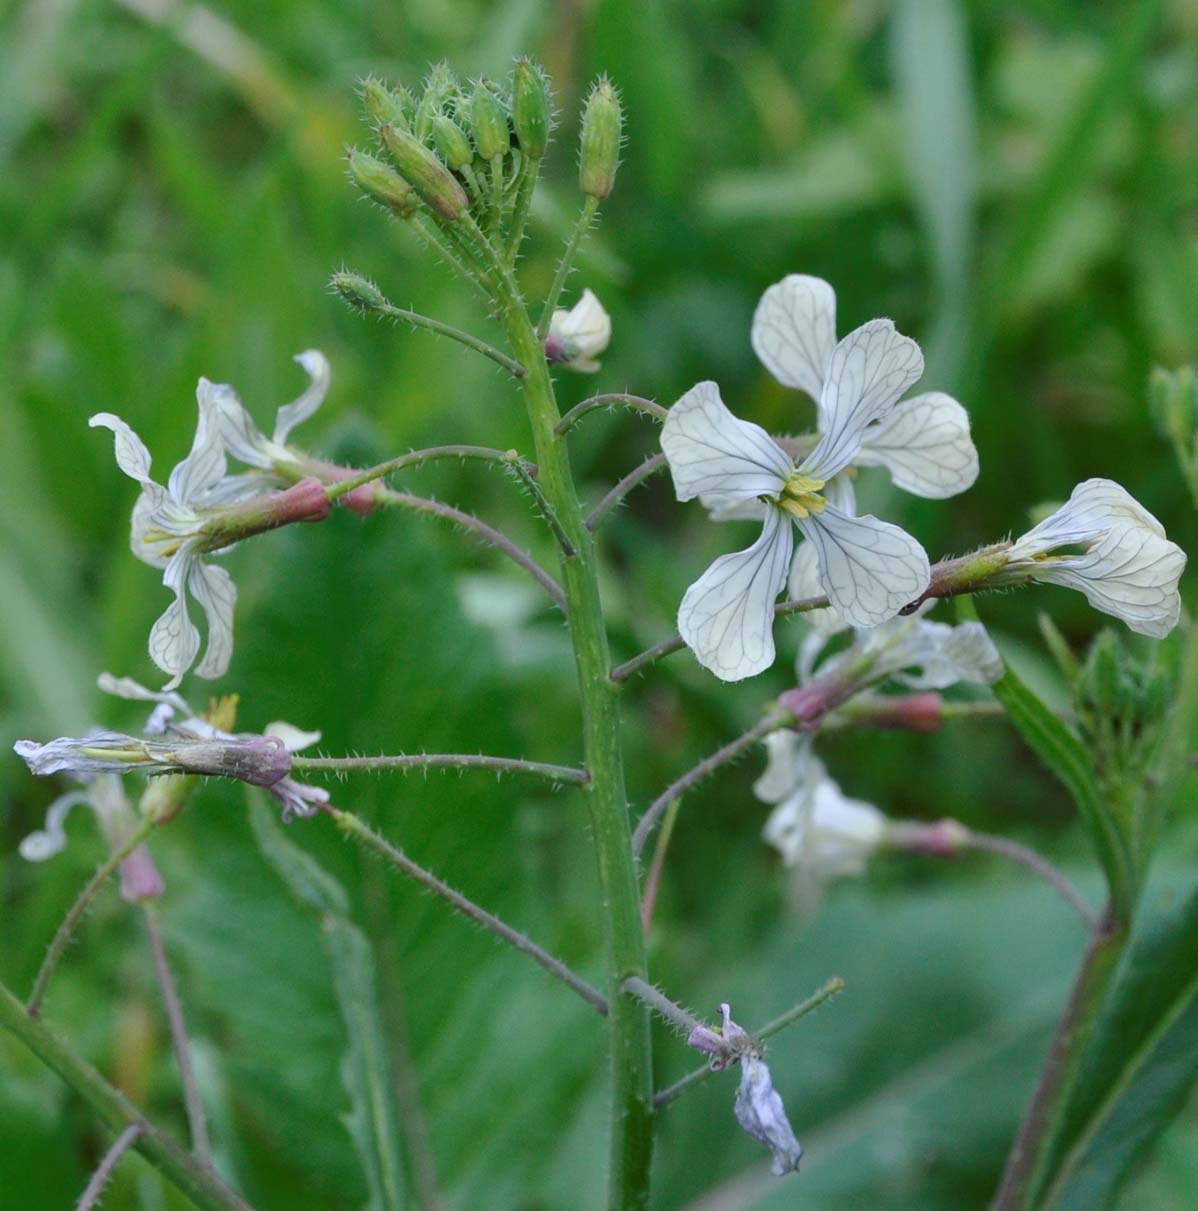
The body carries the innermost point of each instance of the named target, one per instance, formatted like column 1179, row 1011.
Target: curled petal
column 127, row 687
column 869, row 569
column 710, row 451
column 1131, row 573
column 52, row 838
column 1093, row 508
column 794, row 331
column 972, row 654
column 868, row 373
column 83, row 756
column 205, row 465
column 293, row 738
column 131, row 454
column 174, row 640
column 301, row 408
column 727, row 615
column 760, row 1112
column 925, row 445
column 298, row 799
column 214, row 589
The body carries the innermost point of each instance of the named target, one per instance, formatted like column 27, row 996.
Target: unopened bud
column 602, row 125
column 922, row 712
column 452, row 143
column 488, row 122
column 387, row 106
column 140, row 877
column 441, row 87
column 425, row 173
column 358, row 291
column 165, row 797
column 258, row 760
column 532, row 108
column 381, row 183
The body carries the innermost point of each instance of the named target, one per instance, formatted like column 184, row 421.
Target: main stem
column 628, row 1021
column 1030, row 1153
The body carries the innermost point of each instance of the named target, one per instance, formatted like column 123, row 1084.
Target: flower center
column 800, row 496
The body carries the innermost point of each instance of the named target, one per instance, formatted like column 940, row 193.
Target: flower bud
column 532, row 108
column 922, row 712
column 358, row 291
column 166, row 797
column 387, row 106
column 380, row 183
column 602, row 126
column 140, row 878
column 304, row 501
column 441, row 87
column 488, row 122
column 452, row 143
column 425, row 173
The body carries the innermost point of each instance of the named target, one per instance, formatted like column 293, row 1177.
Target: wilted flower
column 577, row 337
column 814, row 826
column 202, row 510
column 868, row 568
column 103, row 793
column 1126, row 568
column 758, row 1108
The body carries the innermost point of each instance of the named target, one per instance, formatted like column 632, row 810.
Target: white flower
column 578, row 336
column 165, row 533
column 868, row 568
column 814, row 826
column 924, row 443
column 1126, row 568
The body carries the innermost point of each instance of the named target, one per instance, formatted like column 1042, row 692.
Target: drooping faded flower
column 579, row 336
column 759, row 1109
column 869, row 569
column 1126, row 566
column 201, row 511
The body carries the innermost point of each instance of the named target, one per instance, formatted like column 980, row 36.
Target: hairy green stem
column 585, row 218
column 90, row 1198
column 198, row 1181
column 633, row 479
column 498, row 765
column 526, row 183
column 1025, row 1169
column 629, row 1052
column 76, row 911
column 612, row 399
column 416, row 458
column 454, row 334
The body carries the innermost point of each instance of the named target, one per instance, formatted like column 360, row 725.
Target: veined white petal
column 843, row 834
column 1131, row 573
column 52, row 838
column 241, row 436
column 869, row 569
column 794, row 331
column 293, row 738
column 205, row 464
column 174, row 640
column 733, row 508
column 304, row 405
column 925, row 445
column 760, row 1112
column 790, row 763
column 156, row 516
column 127, row 687
column 869, row 371
column 1093, row 508
column 712, row 452
column 214, row 589
column 805, row 582
column 840, row 493
column 973, row 655
column 131, row 454
column 727, row 615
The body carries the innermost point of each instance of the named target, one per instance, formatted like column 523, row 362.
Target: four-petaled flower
column 577, row 337
column 869, row 569
column 201, row 510
column 1126, row 566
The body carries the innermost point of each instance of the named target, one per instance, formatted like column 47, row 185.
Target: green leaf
column 1139, row 1068
column 1067, row 758
column 366, row 1071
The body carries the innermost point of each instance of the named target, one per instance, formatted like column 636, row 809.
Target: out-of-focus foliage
column 1016, row 185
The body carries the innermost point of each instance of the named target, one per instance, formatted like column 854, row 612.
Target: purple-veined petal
column 712, row 452
column 131, row 454
column 1094, row 507
column 925, row 445
column 727, row 615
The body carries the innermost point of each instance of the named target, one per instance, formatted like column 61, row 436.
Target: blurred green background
column 1015, row 184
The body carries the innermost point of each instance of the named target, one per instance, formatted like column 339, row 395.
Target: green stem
column 525, row 184
column 611, row 399
column 1026, row 1164
column 585, row 218
column 196, row 1180
column 631, row 1069
column 454, row 334
column 414, row 458
column 75, row 914
column 498, row 765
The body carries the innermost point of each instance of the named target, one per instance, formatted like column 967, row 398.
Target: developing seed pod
column 451, row 142
column 602, row 126
column 532, row 108
column 390, row 106
column 435, row 184
column 381, row 183
column 357, row 291
column 488, row 123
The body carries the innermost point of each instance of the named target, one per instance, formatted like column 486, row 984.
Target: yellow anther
column 800, row 497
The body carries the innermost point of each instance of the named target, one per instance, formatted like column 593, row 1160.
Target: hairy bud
column 358, row 292
column 532, row 108
column 435, row 184
column 380, row 183
column 452, row 143
column 488, row 122
column 602, row 127
column 387, row 106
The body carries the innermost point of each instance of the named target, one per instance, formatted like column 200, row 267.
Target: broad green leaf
column 1140, row 1066
column 366, row 1071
